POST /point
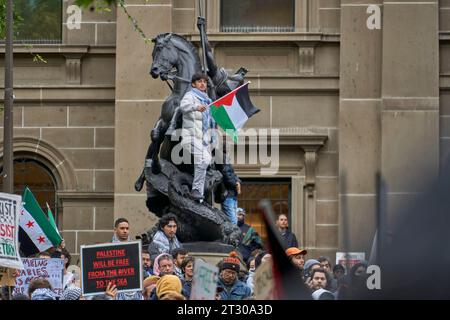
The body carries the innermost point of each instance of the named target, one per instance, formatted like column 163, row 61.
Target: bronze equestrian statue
column 168, row 185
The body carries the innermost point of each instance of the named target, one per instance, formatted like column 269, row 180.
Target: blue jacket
column 289, row 239
column 187, row 288
column 238, row 291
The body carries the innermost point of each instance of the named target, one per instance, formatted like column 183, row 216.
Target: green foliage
column 33, row 19
column 16, row 17
column 19, row 23
column 102, row 5
column 41, row 19
column 88, row 3
column 36, row 56
column 134, row 22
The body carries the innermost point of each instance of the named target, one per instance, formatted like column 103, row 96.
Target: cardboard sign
column 10, row 208
column 263, row 282
column 353, row 258
column 6, row 277
column 76, row 271
column 118, row 263
column 50, row 269
column 204, row 283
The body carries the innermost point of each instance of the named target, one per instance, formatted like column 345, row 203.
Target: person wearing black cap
column 250, row 239
column 232, row 288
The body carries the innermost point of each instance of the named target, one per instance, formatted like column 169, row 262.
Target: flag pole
column 202, row 36
column 8, row 173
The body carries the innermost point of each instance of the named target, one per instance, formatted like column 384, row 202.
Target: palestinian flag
column 36, row 233
column 232, row 111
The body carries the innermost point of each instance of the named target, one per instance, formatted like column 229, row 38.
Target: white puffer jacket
column 192, row 120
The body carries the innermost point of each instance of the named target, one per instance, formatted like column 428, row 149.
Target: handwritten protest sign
column 353, row 258
column 6, row 277
column 118, row 263
column 263, row 282
column 76, row 271
column 10, row 208
column 50, row 269
column 204, row 283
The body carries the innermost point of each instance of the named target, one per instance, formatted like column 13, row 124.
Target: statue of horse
column 174, row 53
column 176, row 59
column 171, row 51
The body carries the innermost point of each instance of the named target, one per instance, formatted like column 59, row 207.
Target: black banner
column 118, row 263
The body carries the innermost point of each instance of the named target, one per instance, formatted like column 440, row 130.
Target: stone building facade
column 349, row 101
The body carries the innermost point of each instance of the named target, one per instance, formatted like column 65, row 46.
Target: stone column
column 138, row 105
column 410, row 107
column 359, row 126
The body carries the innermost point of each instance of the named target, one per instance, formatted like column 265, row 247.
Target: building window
column 257, row 16
column 277, row 191
column 38, row 21
column 40, row 181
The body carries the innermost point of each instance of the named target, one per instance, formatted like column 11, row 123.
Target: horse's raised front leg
column 173, row 122
column 157, row 136
column 140, row 182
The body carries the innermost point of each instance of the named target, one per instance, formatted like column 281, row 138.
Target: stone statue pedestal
column 211, row 252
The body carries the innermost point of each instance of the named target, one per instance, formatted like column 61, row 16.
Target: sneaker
column 195, row 195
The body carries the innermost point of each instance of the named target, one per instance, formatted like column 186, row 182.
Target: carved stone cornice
column 302, row 137
column 266, row 37
column 84, row 196
column 61, row 49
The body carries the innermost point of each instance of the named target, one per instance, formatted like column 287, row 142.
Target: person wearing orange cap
column 297, row 256
column 232, row 288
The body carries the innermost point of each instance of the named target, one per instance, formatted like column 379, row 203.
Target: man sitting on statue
column 198, row 131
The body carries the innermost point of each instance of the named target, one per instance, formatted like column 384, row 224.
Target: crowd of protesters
column 168, row 268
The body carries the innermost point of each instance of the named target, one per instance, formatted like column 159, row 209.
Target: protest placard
column 76, row 271
column 353, row 258
column 118, row 263
column 204, row 283
column 50, row 269
column 10, row 209
column 263, row 282
column 6, row 277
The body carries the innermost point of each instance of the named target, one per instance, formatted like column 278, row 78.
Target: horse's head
column 164, row 56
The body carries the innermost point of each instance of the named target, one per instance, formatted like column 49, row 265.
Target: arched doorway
column 35, row 175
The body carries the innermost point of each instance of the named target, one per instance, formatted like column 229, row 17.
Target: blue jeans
column 229, row 206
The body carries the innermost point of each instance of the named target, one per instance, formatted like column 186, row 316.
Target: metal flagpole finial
column 201, row 22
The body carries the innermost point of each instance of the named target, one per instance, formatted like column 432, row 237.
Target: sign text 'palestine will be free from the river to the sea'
column 116, row 263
